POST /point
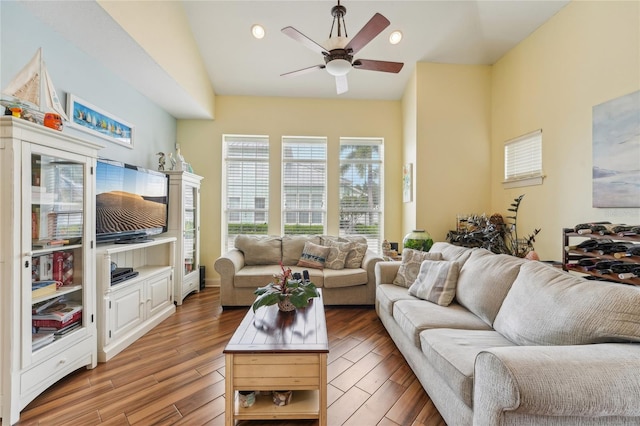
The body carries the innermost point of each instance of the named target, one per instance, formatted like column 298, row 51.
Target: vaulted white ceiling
column 450, row 31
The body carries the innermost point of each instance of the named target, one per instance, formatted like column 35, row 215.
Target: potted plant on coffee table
column 287, row 291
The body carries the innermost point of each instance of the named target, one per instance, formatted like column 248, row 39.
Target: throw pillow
column 410, row 266
column 313, row 255
column 436, row 281
column 356, row 255
column 337, row 254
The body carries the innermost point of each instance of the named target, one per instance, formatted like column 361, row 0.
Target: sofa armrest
column 227, row 265
column 386, row 271
column 586, row 381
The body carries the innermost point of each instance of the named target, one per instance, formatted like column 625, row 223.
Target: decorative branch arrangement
column 492, row 233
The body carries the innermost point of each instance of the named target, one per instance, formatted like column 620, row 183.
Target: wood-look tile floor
column 174, row 375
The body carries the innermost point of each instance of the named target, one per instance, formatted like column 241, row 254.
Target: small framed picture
column 407, row 183
column 91, row 119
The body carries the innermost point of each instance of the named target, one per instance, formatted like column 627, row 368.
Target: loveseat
column 520, row 343
column 342, row 267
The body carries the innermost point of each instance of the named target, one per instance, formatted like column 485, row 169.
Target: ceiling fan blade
column 342, row 85
column 372, row 65
column 302, row 71
column 371, row 29
column 298, row 36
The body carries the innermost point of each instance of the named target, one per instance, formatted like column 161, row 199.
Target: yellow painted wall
column 587, row 54
column 452, row 148
column 409, row 121
column 201, row 142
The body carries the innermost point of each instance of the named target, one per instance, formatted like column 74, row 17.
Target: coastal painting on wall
column 93, row 120
column 616, row 152
column 407, row 183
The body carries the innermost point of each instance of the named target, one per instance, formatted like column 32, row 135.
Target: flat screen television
column 131, row 202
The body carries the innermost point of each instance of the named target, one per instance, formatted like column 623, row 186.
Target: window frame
column 523, row 152
column 373, row 243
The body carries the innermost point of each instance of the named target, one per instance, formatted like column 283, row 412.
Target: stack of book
column 39, row 340
column 44, row 288
column 57, row 316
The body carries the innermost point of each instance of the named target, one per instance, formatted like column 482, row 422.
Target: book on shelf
column 58, row 315
column 36, row 308
column 41, row 339
column 48, row 243
column 44, row 288
column 58, row 333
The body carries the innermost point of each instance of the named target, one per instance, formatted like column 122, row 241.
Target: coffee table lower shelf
column 304, row 404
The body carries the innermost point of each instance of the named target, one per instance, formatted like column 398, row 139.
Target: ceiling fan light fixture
column 338, row 67
column 258, row 31
column 395, row 37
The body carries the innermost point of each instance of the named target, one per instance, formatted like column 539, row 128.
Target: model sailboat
column 29, row 85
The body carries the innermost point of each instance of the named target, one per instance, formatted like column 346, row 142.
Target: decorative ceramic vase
column 286, row 305
column 281, row 398
column 418, row 239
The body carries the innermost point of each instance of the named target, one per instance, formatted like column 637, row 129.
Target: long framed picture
column 91, row 119
column 407, row 183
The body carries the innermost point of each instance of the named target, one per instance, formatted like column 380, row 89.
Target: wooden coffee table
column 273, row 350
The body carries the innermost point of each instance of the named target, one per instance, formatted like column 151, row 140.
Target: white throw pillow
column 337, row 254
column 436, row 281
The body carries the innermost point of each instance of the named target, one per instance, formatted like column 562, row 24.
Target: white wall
column 73, row 71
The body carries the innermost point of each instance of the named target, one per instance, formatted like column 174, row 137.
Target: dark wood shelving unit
column 574, row 254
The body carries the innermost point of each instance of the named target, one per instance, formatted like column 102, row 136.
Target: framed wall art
column 616, row 152
column 407, row 183
column 91, row 119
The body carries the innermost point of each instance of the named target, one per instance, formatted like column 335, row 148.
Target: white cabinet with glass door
column 47, row 260
column 184, row 224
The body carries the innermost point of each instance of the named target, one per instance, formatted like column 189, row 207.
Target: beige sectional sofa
column 522, row 343
column 255, row 259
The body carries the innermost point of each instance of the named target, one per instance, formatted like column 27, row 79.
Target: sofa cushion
column 547, row 306
column 388, row 294
column 292, row 246
column 337, row 254
column 415, row 316
column 259, row 249
column 334, row 278
column 256, row 276
column 452, row 252
column 410, row 266
column 313, row 255
column 436, row 281
column 453, row 353
column 485, row 280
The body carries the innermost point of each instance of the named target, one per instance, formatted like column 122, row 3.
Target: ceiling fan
column 339, row 50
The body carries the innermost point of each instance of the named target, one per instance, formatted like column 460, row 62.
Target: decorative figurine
column 161, row 160
column 172, row 161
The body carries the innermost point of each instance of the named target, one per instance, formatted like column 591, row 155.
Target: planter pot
column 418, row 239
column 286, row 305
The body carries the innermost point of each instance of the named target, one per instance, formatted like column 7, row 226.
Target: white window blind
column 360, row 189
column 304, row 184
column 523, row 160
column 246, row 177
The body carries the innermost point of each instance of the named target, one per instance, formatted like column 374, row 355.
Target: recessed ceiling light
column 395, row 37
column 258, row 31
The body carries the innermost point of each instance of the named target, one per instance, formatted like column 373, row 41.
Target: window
column 523, row 160
column 360, row 189
column 304, row 185
column 246, row 191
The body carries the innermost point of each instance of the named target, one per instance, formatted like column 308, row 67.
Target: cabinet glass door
column 190, row 229
column 57, row 209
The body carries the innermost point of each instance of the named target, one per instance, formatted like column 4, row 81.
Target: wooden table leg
column 323, row 391
column 229, row 394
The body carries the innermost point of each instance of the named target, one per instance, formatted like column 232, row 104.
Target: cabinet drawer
column 57, row 366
